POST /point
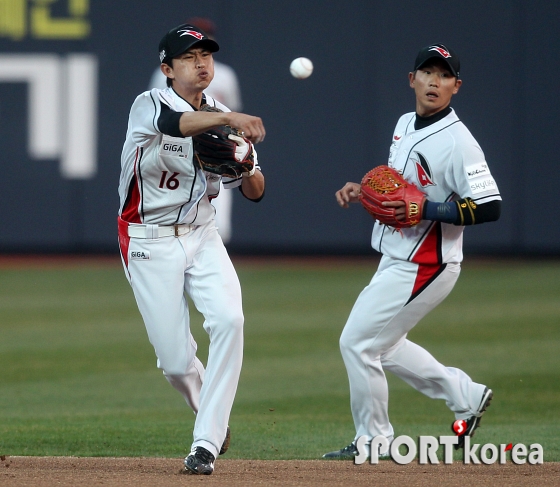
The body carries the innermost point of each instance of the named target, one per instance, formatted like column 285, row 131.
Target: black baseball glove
column 223, row 150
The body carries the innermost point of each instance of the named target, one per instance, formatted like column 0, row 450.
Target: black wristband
column 462, row 212
column 441, row 212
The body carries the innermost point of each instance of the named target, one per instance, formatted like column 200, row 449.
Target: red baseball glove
column 382, row 184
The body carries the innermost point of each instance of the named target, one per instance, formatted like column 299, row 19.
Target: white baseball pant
column 160, row 271
column 399, row 295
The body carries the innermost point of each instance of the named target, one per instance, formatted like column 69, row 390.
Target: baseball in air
column 301, row 68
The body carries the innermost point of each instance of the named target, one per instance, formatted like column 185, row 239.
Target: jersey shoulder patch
column 477, row 170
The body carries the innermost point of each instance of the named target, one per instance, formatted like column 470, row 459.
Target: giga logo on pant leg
column 427, row 446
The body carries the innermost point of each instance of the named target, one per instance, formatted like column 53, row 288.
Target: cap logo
column 162, row 56
column 193, row 33
column 443, row 52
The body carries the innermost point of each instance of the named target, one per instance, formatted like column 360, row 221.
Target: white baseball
column 301, row 68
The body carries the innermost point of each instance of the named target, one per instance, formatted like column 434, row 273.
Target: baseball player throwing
column 419, row 266
column 225, row 89
column 168, row 239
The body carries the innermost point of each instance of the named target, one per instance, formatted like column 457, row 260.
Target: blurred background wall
column 70, row 70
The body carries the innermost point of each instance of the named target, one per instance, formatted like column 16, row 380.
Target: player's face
column 192, row 71
column 434, row 86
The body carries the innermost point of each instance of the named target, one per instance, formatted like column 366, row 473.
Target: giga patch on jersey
column 139, row 255
column 174, row 146
column 174, row 149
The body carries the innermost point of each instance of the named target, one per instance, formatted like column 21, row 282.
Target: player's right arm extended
column 462, row 212
column 194, row 123
column 187, row 124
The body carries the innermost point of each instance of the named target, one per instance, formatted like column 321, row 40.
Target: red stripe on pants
column 124, row 239
column 425, row 274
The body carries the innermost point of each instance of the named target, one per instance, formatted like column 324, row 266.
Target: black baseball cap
column 181, row 39
column 438, row 51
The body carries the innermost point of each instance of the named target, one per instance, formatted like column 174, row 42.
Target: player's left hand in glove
column 223, row 150
column 384, row 184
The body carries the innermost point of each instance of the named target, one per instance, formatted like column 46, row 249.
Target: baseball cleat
column 350, row 452
column 346, row 453
column 474, row 421
column 225, row 444
column 200, row 461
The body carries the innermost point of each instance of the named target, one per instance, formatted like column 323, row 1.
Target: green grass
column 78, row 375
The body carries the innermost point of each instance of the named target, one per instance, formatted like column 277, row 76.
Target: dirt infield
column 160, row 472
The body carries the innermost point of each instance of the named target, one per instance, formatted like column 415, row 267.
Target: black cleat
column 347, row 453
column 474, row 421
column 200, row 461
column 350, row 452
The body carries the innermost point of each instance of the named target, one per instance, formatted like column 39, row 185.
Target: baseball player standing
column 168, row 238
column 419, row 265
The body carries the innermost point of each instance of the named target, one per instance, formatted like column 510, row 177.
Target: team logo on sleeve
column 423, row 171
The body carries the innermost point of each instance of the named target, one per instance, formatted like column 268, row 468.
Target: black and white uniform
column 170, row 246
column 418, row 269
column 224, row 88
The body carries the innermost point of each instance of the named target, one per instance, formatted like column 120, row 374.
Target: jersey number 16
column 171, row 183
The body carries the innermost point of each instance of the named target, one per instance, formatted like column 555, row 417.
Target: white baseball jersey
column 159, row 182
column 445, row 162
column 225, row 89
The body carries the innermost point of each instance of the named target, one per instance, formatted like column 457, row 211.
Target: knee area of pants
column 347, row 343
column 172, row 371
column 356, row 345
column 174, row 366
column 231, row 323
